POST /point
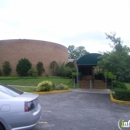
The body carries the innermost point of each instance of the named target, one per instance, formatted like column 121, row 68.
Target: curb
column 118, row 101
column 52, row 92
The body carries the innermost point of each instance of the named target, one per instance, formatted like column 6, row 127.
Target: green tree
column 23, row 66
column 70, row 64
column 40, row 68
column 6, row 68
column 117, row 61
column 76, row 52
column 53, row 67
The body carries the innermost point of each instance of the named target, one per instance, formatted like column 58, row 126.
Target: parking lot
column 80, row 111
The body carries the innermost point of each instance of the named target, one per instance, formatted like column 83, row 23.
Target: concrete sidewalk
column 101, row 91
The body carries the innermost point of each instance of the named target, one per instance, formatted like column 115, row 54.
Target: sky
column 67, row 22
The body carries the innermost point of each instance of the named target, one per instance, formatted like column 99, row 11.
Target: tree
column 117, row 61
column 23, row 66
column 6, row 68
column 53, row 67
column 40, row 68
column 70, row 64
column 76, row 52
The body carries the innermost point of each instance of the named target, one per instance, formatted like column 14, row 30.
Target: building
column 34, row 50
column 85, row 66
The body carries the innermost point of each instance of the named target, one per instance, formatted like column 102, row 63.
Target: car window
column 10, row 90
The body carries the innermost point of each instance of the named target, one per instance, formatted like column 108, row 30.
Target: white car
column 18, row 110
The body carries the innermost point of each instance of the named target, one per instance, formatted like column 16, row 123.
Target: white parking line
column 46, row 111
column 41, row 122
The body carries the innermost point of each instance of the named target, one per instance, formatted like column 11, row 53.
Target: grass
column 29, row 81
column 127, row 85
column 26, row 89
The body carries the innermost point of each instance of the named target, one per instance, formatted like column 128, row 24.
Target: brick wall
column 34, row 50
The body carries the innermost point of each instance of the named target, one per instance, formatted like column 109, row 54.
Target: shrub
column 122, row 94
column 45, row 86
column 70, row 64
column 47, row 75
column 53, row 67
column 62, row 87
column 33, row 72
column 40, row 68
column 61, row 70
column 0, row 73
column 117, row 84
column 68, row 72
column 23, row 66
column 6, row 68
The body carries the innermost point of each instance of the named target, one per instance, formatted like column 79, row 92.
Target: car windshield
column 10, row 90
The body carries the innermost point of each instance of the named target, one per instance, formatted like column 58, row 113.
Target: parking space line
column 46, row 111
column 41, row 122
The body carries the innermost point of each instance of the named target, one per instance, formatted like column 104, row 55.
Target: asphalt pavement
column 80, row 111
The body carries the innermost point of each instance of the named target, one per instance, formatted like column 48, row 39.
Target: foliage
column 0, row 73
column 117, row 61
column 70, row 64
column 109, row 75
column 53, row 67
column 62, row 87
column 61, row 70
column 68, row 72
column 128, row 86
column 74, row 74
column 76, row 52
column 23, row 66
column 47, row 75
column 33, row 72
column 6, row 68
column 117, row 84
column 64, row 71
column 45, row 86
column 122, row 94
column 40, row 68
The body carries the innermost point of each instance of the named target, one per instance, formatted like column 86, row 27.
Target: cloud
column 67, row 22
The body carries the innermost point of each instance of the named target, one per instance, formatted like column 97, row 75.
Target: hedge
column 121, row 94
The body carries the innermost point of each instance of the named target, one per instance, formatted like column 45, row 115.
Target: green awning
column 89, row 59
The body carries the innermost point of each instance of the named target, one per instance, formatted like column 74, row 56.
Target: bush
column 33, row 72
column 68, row 72
column 70, row 64
column 6, row 68
column 61, row 70
column 62, row 87
column 0, row 73
column 47, row 75
column 23, row 66
column 40, row 68
column 117, row 84
column 53, row 67
column 122, row 94
column 45, row 86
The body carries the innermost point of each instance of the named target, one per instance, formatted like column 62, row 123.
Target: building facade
column 34, row 50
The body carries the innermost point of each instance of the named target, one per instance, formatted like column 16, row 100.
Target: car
column 18, row 110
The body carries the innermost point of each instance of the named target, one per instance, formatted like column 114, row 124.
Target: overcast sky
column 67, row 22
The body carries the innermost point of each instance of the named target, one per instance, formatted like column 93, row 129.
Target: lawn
column 26, row 89
column 28, row 81
column 127, row 85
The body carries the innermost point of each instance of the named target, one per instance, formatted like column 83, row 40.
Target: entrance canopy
column 89, row 59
